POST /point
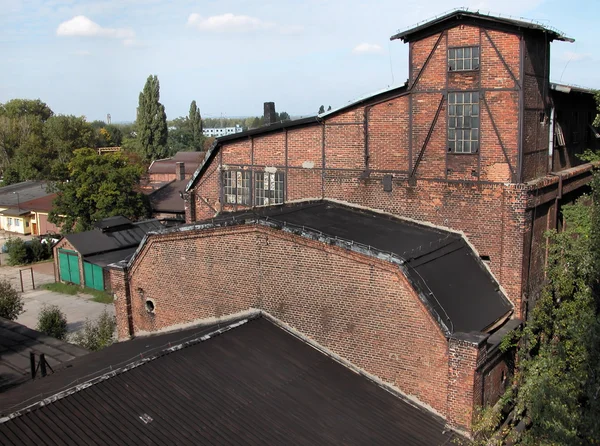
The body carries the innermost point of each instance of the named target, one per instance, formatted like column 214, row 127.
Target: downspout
column 551, row 140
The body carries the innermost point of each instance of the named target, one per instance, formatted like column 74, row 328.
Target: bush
column 17, row 251
column 11, row 302
column 20, row 252
column 97, row 334
column 52, row 322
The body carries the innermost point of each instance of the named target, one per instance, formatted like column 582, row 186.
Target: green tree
column 96, row 334
column 152, row 121
column 195, row 123
column 52, row 322
column 17, row 108
column 99, row 186
column 11, row 302
column 321, row 109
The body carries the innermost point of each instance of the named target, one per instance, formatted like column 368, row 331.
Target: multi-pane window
column 463, row 122
column 268, row 188
column 463, row 59
column 236, row 187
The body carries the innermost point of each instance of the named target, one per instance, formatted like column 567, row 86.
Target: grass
column 98, row 296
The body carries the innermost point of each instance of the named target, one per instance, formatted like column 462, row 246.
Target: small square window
column 463, row 59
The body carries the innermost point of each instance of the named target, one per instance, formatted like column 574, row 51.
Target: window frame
column 452, row 115
column 453, row 62
column 238, row 186
column 275, row 195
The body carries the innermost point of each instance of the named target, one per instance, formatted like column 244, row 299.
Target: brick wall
column 64, row 244
column 360, row 308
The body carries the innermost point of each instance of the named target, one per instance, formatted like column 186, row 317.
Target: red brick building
column 478, row 140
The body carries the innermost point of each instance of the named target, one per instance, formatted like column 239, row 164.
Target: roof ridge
column 118, row 371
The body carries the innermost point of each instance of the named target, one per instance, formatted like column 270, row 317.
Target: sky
column 92, row 58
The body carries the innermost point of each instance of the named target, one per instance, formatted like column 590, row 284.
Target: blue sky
column 92, row 57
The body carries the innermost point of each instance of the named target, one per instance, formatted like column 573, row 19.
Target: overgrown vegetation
column 96, row 334
column 53, row 322
column 21, row 252
column 11, row 302
column 66, row 288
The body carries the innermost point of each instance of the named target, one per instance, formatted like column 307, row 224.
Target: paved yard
column 77, row 308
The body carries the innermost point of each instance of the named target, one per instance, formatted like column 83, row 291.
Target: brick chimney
column 269, row 115
column 180, row 171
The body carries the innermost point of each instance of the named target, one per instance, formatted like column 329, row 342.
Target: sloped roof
column 248, row 383
column 191, row 160
column 96, row 241
column 13, row 195
column 17, row 341
column 450, row 278
column 168, row 199
column 42, row 204
column 461, row 15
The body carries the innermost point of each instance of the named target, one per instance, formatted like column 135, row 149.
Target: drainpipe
column 551, row 140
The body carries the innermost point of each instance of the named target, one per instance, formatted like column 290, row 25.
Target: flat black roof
column 17, row 341
column 253, row 384
column 123, row 235
column 452, row 19
column 450, row 277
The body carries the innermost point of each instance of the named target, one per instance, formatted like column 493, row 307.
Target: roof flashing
column 520, row 23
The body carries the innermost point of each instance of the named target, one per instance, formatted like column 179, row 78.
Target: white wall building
column 217, row 132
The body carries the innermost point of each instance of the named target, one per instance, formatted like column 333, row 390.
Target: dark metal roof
column 17, row 341
column 112, row 222
column 96, row 241
column 107, row 258
column 451, row 19
column 451, row 279
column 15, row 212
column 18, row 193
column 191, row 162
column 252, row 384
column 168, row 199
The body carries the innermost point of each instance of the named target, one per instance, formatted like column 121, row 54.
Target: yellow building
column 16, row 220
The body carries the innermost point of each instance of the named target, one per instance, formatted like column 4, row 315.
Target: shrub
column 17, row 251
column 97, row 334
column 11, row 302
column 38, row 250
column 52, row 322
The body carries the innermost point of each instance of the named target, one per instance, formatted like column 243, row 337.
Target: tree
column 283, row 116
column 17, row 251
column 17, row 108
column 52, row 322
column 321, row 109
column 195, row 121
column 99, row 186
column 152, row 121
column 97, row 334
column 11, row 302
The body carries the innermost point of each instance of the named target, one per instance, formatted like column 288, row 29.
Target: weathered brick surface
column 360, row 308
column 64, row 244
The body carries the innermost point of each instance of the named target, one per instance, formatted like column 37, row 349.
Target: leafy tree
column 181, row 138
column 17, row 108
column 283, row 116
column 152, row 121
column 17, row 251
column 52, row 322
column 64, row 134
column 96, row 334
column 195, row 123
column 99, row 186
column 255, row 123
column 321, row 109
column 11, row 302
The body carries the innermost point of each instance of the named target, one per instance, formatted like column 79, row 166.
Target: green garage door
column 68, row 263
column 94, row 277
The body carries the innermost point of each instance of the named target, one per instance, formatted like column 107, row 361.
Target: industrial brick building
column 479, row 146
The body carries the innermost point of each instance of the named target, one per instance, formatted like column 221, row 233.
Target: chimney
column 180, row 171
column 270, row 116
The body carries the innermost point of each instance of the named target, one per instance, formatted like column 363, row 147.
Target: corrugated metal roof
column 254, row 384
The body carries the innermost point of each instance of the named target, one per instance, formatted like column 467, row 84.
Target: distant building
column 217, row 132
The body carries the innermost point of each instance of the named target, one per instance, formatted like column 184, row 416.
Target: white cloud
column 236, row 23
column 367, row 48
column 81, row 26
